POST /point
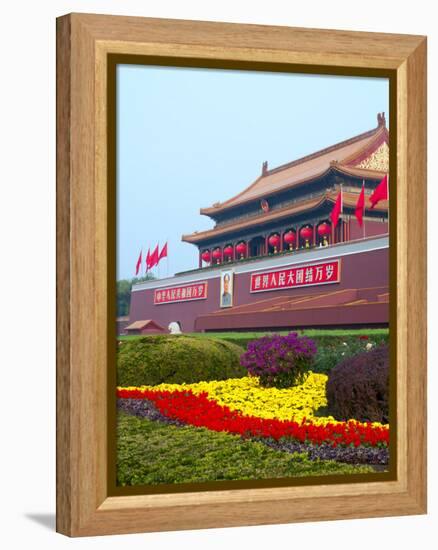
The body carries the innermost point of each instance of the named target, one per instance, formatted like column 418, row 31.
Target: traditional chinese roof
column 306, row 205
column 364, row 155
column 140, row 325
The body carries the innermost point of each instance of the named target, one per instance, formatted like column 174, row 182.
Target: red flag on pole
column 163, row 253
column 148, row 260
column 380, row 193
column 138, row 265
column 360, row 206
column 154, row 258
column 337, row 209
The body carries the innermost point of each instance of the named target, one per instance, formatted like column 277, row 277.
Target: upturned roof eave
column 259, row 219
column 376, row 133
column 294, row 184
column 263, row 219
column 360, row 173
column 208, row 210
column 381, row 136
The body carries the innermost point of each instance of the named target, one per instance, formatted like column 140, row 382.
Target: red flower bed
column 198, row 410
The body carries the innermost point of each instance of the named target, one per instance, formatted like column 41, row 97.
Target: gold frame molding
column 84, row 249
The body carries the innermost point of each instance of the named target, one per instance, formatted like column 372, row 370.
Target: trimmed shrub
column 358, row 387
column 155, row 359
column 330, row 347
column 331, row 350
column 279, row 361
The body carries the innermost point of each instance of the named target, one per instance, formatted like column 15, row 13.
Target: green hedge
column 324, row 340
column 155, row 359
column 331, row 352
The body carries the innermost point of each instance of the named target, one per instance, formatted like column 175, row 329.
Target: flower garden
column 269, row 416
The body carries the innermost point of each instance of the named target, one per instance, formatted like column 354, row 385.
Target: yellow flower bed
column 247, row 396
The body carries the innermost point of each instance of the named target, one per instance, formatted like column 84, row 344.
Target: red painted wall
column 372, row 228
column 362, row 270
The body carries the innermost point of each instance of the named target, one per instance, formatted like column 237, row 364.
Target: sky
column 187, row 138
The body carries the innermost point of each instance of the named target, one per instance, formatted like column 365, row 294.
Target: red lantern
column 217, row 254
column 228, row 251
column 290, row 238
column 206, row 256
column 324, row 229
column 306, row 233
column 274, row 241
column 241, row 249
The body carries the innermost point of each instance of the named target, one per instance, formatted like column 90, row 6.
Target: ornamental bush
column 280, row 361
column 330, row 351
column 358, row 387
column 331, row 344
column 155, row 359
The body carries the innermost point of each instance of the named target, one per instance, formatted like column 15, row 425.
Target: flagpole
column 167, row 257
column 363, row 213
column 147, row 261
column 332, row 235
column 138, row 267
column 342, row 214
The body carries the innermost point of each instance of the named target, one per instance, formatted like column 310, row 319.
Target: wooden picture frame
column 85, row 249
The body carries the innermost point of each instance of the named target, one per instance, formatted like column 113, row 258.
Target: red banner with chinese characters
column 183, row 293
column 295, row 277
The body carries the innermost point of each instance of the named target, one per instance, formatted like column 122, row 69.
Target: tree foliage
column 124, row 293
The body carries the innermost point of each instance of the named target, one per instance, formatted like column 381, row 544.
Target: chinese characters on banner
column 307, row 275
column 185, row 293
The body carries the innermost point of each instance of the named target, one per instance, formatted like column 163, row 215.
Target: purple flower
column 279, row 360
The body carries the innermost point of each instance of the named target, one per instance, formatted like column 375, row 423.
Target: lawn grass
column 151, row 452
column 307, row 332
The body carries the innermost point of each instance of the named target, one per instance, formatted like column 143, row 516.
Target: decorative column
column 200, row 258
